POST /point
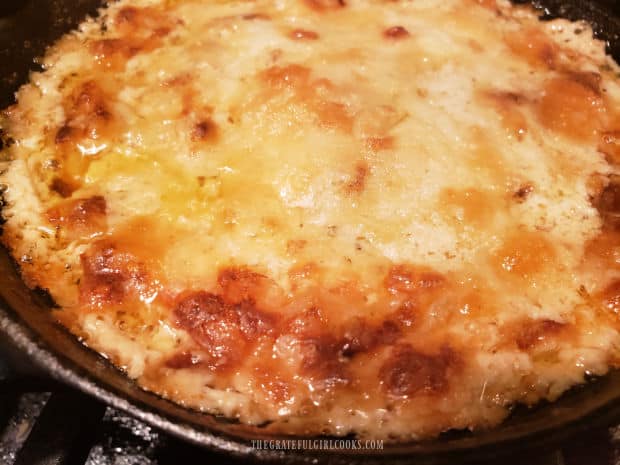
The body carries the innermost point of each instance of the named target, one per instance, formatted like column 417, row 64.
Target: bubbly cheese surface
column 391, row 218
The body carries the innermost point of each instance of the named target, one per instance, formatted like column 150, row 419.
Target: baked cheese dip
column 387, row 218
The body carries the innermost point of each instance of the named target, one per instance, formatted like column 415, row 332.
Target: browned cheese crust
column 391, row 218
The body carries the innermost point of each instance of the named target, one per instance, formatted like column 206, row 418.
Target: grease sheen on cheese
column 391, row 218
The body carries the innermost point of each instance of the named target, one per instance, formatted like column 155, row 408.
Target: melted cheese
column 387, row 218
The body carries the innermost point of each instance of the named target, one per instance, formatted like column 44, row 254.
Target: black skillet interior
column 26, row 27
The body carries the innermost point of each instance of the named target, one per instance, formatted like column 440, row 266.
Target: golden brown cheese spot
column 141, row 30
column 64, row 134
column 271, row 383
column 588, row 79
column 81, row 217
column 239, row 283
column 523, row 192
column 325, row 5
column 507, row 105
column 113, row 53
column 64, row 188
column 411, row 279
column 475, row 46
column 610, row 297
column 595, row 184
column 571, row 109
column 408, row 372
column 88, row 109
column 607, row 202
column 333, row 115
column 361, row 336
column 534, row 46
column 406, row 315
column 255, row 16
column 396, row 33
column 358, row 181
column 469, row 206
column 295, row 246
column 303, row 34
column 309, row 92
column 610, row 145
column 188, row 96
column 319, row 347
column 303, row 275
column 320, row 360
column 290, row 78
column 524, row 254
column 225, row 331
column 88, row 122
column 603, row 251
column 375, row 123
column 130, row 16
column 472, row 301
column 531, row 333
column 242, row 284
column 133, row 20
column 182, row 360
column 205, row 131
column 311, row 322
column 130, row 238
column 378, row 144
column 278, row 77
column 488, row 4
column 110, row 276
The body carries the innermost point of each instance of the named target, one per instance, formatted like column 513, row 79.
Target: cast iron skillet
column 27, row 27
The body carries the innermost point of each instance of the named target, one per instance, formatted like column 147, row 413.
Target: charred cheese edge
column 391, row 218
